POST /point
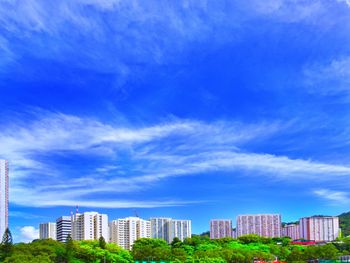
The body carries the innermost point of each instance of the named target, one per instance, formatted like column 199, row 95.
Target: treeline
column 193, row 250
column 344, row 221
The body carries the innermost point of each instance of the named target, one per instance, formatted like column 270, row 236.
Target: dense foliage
column 344, row 221
column 198, row 249
column 244, row 249
column 49, row 251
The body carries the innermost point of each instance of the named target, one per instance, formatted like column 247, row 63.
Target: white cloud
column 56, row 133
column 329, row 78
column 345, row 1
column 153, row 153
column 147, row 32
column 24, row 215
column 336, row 197
column 103, row 4
column 28, row 234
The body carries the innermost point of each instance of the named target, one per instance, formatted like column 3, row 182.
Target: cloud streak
column 144, row 32
column 153, row 154
column 330, row 78
column 335, row 197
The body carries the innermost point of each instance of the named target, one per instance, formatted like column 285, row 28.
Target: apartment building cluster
column 123, row 232
column 315, row 228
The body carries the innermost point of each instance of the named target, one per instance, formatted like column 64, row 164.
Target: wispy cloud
column 144, row 32
column 329, row 78
column 152, row 154
column 24, row 215
column 345, row 1
column 335, row 197
column 288, row 11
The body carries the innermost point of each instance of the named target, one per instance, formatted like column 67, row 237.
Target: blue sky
column 187, row 109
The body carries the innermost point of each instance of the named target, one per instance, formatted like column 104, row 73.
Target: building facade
column 4, row 196
column 126, row 231
column 292, row 231
column 63, row 228
column 220, row 228
column 89, row 226
column 168, row 229
column 266, row 225
column 319, row 228
column 160, row 228
column 179, row 228
column 47, row 230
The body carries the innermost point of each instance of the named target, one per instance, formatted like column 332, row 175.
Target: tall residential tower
column 126, row 231
column 89, row 226
column 168, row 229
column 220, row 228
column 319, row 228
column 265, row 225
column 4, row 196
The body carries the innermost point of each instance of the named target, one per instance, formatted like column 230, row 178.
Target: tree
column 102, row 242
column 6, row 245
column 296, row 255
column 251, row 238
column 176, row 243
column 151, row 249
column 69, row 249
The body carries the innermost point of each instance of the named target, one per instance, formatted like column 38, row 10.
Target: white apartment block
column 160, row 228
column 4, row 196
column 180, row 229
column 168, row 229
column 47, row 230
column 220, row 228
column 319, row 228
column 292, row 231
column 266, row 225
column 89, row 226
column 125, row 231
column 63, row 228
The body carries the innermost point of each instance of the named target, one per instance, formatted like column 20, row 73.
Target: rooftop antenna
column 76, row 209
column 136, row 214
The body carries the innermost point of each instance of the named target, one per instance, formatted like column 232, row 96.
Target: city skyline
column 180, row 109
column 125, row 231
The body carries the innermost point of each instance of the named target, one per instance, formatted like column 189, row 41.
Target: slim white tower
column 4, row 196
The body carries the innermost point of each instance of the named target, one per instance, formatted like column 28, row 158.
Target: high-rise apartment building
column 168, row 229
column 126, row 231
column 47, row 230
column 160, row 228
column 179, row 228
column 266, row 225
column 63, row 228
column 89, row 226
column 220, row 228
column 292, row 231
column 319, row 228
column 4, row 196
